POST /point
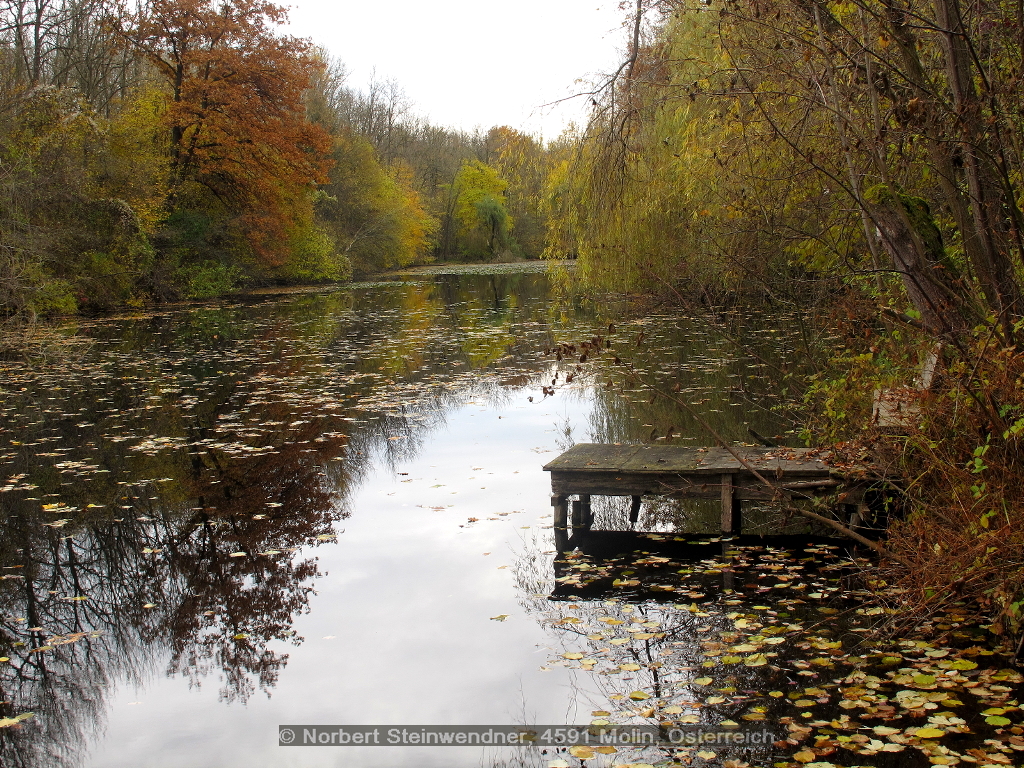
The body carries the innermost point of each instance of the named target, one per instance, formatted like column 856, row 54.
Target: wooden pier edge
column 636, row 471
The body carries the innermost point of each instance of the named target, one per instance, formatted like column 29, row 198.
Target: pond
column 328, row 507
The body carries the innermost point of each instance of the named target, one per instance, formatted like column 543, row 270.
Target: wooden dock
column 590, row 469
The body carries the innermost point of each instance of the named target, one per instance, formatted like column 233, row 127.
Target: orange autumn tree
column 236, row 126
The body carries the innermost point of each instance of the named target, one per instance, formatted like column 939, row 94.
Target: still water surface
column 329, row 508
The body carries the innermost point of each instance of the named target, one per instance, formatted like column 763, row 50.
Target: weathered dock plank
column 600, row 457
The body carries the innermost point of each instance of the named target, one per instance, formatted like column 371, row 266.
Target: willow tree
column 525, row 163
column 479, row 211
column 879, row 143
column 667, row 189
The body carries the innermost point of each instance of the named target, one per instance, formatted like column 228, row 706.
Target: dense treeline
column 481, row 193
column 187, row 148
column 863, row 158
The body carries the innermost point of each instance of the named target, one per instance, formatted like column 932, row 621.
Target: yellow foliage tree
column 483, row 223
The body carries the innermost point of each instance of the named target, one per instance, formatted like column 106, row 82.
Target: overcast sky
column 468, row 64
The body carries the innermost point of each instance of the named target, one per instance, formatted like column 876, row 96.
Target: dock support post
column 634, row 509
column 560, row 512
column 582, row 518
column 732, row 519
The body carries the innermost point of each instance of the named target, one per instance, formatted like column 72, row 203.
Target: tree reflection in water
column 668, row 632
column 207, row 570
column 164, row 488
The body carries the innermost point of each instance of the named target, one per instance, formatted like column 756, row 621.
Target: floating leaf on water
column 572, row 655
column 499, row 617
column 639, row 695
column 804, row 756
column 962, row 664
column 994, row 720
column 930, row 733
column 606, row 750
column 706, row 754
column 581, row 751
column 703, row 681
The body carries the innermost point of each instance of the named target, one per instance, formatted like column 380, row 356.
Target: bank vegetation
column 861, row 161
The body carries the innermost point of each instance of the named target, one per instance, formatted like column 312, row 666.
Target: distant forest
column 188, row 148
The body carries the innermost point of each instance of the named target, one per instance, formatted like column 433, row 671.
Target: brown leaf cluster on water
column 789, row 648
